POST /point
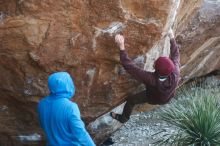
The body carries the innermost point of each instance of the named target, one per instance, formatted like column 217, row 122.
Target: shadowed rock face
column 199, row 40
column 45, row 36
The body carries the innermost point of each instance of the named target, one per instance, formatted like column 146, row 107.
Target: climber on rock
column 160, row 84
column 60, row 117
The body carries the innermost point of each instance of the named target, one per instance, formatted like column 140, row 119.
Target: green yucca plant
column 196, row 117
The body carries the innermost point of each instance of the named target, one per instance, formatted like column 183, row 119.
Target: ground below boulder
column 146, row 128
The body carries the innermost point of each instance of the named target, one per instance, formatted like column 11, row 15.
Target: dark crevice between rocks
column 199, row 80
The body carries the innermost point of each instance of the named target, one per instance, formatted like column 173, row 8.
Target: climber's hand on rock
column 119, row 39
column 170, row 34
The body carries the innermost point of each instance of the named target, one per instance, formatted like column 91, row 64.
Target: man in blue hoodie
column 60, row 117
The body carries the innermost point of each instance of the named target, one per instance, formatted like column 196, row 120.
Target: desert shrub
column 195, row 115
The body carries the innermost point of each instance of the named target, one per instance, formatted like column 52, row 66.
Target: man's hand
column 119, row 39
column 170, row 34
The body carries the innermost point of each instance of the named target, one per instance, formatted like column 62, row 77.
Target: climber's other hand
column 119, row 39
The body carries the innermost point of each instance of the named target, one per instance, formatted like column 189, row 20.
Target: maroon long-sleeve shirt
column 158, row 92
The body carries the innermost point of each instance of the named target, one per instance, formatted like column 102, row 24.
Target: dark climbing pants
column 132, row 100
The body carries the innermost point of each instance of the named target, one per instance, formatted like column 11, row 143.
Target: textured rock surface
column 199, row 40
column 44, row 36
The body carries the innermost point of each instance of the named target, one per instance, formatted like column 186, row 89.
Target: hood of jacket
column 61, row 85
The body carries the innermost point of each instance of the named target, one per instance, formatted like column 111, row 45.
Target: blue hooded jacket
column 60, row 117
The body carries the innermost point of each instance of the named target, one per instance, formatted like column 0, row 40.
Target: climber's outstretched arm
column 174, row 50
column 138, row 73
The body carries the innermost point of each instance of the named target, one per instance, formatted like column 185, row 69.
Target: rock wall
column 199, row 40
column 44, row 36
